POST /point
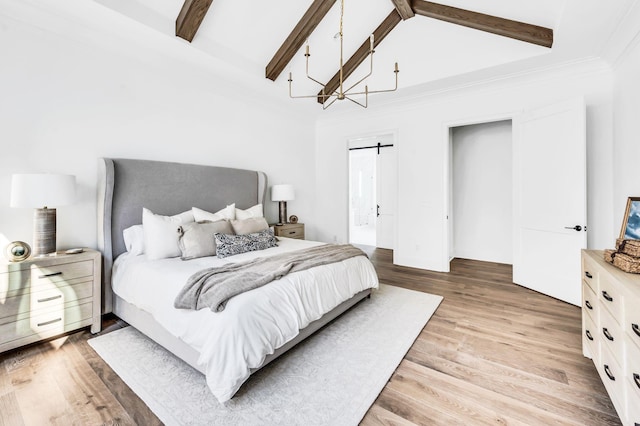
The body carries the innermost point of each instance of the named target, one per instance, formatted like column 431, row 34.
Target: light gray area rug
column 332, row 378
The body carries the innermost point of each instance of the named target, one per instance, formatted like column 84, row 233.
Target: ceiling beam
column 190, row 18
column 362, row 53
column 300, row 33
column 505, row 27
column 404, row 9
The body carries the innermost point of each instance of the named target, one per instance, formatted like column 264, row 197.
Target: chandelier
column 341, row 93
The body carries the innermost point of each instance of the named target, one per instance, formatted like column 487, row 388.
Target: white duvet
column 254, row 324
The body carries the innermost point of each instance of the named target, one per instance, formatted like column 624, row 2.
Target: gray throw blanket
column 213, row 287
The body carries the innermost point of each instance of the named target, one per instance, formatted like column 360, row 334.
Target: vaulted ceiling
column 432, row 42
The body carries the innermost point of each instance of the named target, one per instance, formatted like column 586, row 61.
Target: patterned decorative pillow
column 229, row 245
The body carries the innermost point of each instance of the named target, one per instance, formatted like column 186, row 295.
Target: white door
column 372, row 164
column 386, row 191
column 550, row 219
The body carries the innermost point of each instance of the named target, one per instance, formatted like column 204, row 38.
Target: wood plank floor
column 493, row 353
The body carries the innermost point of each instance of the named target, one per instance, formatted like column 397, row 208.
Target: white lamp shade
column 42, row 190
column 282, row 193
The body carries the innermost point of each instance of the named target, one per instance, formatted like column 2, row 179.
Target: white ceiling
column 246, row 34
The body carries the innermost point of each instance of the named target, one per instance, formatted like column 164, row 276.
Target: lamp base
column 44, row 231
column 282, row 216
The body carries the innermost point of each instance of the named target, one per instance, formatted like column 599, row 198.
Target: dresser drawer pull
column 589, row 336
column 606, row 333
column 636, row 378
column 49, row 322
column 48, row 299
column 606, row 296
column 606, row 370
column 635, row 329
column 588, row 304
column 53, row 274
column 588, row 275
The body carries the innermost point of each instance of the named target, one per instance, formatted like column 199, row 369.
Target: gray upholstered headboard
column 126, row 186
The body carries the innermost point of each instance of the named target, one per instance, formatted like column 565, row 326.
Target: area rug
column 331, row 378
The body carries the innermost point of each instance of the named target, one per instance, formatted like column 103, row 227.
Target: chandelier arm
column 358, row 103
column 366, row 76
column 325, row 105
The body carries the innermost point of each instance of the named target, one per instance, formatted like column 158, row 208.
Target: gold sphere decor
column 17, row 251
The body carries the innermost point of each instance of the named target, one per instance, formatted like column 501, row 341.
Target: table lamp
column 43, row 192
column 282, row 193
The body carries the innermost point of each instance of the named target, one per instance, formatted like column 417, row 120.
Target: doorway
column 481, row 200
column 372, row 191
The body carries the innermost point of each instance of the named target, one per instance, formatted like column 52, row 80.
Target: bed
column 131, row 282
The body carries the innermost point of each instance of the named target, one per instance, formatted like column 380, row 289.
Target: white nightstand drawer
column 611, row 335
column 610, row 296
column 62, row 272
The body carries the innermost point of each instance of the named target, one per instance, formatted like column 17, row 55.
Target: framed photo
column 631, row 223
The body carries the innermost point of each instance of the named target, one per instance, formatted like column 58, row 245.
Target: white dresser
column 47, row 296
column 611, row 331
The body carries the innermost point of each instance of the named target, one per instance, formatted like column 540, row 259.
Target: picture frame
column 631, row 223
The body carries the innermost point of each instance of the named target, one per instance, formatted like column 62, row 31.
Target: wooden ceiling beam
column 362, row 53
column 505, row 27
column 296, row 39
column 404, row 9
column 190, row 17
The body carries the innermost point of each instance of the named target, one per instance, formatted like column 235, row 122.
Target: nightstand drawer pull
column 48, row 299
column 636, row 378
column 53, row 274
column 292, row 232
column 589, row 336
column 606, row 370
column 635, row 329
column 606, row 296
column 588, row 275
column 606, row 333
column 42, row 324
column 588, row 305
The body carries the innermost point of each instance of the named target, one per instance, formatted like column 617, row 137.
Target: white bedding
column 254, row 324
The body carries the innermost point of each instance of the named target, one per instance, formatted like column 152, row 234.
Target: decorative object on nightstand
column 48, row 296
column 17, row 251
column 282, row 194
column 42, row 192
column 289, row 230
column 293, row 219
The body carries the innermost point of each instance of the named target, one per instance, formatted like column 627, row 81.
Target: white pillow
column 134, row 239
column 255, row 211
column 161, row 233
column 228, row 213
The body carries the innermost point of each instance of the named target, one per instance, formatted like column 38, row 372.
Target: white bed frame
column 125, row 186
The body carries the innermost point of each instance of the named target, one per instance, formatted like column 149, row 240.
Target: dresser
column 289, row 230
column 611, row 331
column 43, row 297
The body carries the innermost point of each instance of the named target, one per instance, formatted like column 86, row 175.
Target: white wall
column 71, row 93
column 422, row 123
column 481, row 195
column 626, row 102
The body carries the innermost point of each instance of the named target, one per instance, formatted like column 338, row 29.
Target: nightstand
column 289, row 230
column 43, row 297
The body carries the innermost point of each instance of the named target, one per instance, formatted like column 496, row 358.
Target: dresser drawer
column 591, row 337
column 610, row 296
column 590, row 273
column 590, row 303
column 633, row 384
column 613, row 378
column 632, row 319
column 610, row 335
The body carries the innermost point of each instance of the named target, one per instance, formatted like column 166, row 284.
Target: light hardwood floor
column 493, row 353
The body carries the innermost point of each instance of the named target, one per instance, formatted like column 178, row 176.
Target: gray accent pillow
column 249, row 226
column 229, row 245
column 197, row 239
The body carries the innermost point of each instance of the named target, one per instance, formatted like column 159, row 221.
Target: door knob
column 575, row 228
